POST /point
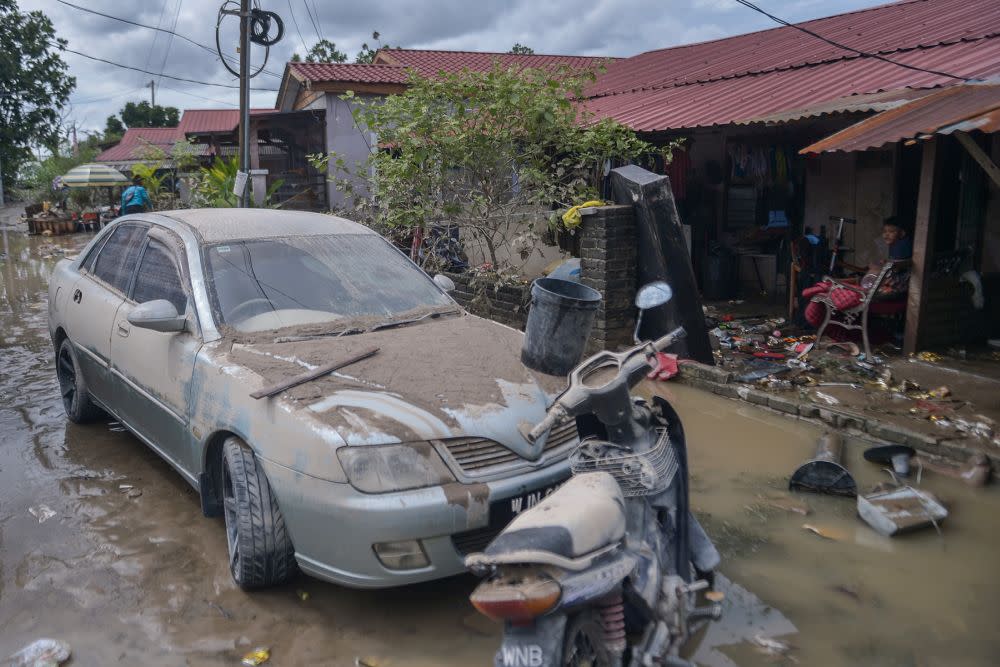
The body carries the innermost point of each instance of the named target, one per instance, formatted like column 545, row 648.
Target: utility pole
column 152, row 91
column 244, row 97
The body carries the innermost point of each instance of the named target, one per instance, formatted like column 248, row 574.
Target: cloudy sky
column 604, row 27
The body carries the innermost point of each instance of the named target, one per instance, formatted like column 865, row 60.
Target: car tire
column 76, row 400
column 260, row 549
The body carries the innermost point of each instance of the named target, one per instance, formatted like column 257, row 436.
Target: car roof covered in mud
column 213, row 225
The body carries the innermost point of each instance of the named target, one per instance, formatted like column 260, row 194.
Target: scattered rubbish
column 940, row 392
column 761, row 369
column 771, row 647
column 786, row 503
column 40, row 653
column 827, row 398
column 258, row 656
column 825, row 533
column 42, row 512
column 369, row 662
column 222, row 610
column 303, row 595
column 666, row 367
column 900, row 510
column 850, row 348
column 975, row 472
column 134, row 493
column 849, row 591
column 898, row 456
column 124, row 487
column 824, row 473
column 932, row 357
column 715, row 596
column 983, row 428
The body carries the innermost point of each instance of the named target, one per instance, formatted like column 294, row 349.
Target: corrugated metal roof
column 960, row 107
column 886, row 30
column 206, row 121
column 883, row 101
column 429, row 63
column 136, row 138
column 728, row 100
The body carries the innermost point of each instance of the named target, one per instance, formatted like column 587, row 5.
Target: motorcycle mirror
column 444, row 282
column 653, row 294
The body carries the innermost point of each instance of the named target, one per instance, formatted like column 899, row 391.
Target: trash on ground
column 940, row 392
column 40, row 653
column 771, row 646
column 786, row 503
column 303, row 595
column 715, row 596
column 134, row 493
column 666, row 367
column 825, row 533
column 900, row 510
column 975, row 472
column 827, row 398
column 932, row 357
column 258, row 656
column 42, row 512
column 898, row 456
column 824, row 473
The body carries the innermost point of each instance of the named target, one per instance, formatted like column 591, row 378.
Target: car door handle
column 123, row 329
column 77, row 296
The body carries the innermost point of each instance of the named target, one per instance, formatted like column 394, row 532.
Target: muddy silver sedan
column 319, row 390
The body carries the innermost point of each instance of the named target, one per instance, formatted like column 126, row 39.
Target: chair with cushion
column 849, row 306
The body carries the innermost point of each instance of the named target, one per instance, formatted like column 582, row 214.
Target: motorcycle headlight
column 387, row 468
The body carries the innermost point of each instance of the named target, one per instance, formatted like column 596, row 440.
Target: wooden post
column 923, row 243
column 980, row 156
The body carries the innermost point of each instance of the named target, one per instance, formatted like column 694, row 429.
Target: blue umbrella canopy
column 93, row 176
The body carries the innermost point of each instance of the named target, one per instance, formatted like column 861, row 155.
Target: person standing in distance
column 135, row 199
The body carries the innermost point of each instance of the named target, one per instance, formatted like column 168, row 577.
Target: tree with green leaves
column 325, row 51
column 521, row 50
column 367, row 53
column 144, row 114
column 489, row 152
column 34, row 86
column 113, row 127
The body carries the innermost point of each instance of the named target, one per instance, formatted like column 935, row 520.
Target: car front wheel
column 260, row 550
column 73, row 387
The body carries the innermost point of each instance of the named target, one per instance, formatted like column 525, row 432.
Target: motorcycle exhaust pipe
column 824, row 472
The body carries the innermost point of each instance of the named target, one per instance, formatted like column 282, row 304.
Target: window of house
column 158, row 278
column 116, row 261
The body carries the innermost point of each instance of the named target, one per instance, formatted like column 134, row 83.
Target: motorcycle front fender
column 537, row 645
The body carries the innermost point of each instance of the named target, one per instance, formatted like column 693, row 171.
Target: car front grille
column 478, row 457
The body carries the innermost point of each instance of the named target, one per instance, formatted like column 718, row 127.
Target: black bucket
column 559, row 322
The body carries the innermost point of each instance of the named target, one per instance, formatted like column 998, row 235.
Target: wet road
column 142, row 579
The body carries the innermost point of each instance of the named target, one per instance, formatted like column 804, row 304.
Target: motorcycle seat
column 585, row 514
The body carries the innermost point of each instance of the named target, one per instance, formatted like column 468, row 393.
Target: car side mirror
column 444, row 282
column 158, row 315
column 650, row 295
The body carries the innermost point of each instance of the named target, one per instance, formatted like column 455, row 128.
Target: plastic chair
column 856, row 317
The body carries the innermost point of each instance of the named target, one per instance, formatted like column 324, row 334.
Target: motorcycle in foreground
column 607, row 568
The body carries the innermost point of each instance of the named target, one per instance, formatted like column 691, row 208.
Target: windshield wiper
column 433, row 315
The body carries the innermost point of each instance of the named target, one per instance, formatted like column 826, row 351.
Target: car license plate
column 503, row 511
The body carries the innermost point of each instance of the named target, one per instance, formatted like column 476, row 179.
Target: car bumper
column 334, row 526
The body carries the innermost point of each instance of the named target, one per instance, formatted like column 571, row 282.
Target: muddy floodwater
column 104, row 546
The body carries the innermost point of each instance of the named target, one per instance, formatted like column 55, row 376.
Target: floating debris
column 258, row 656
column 40, row 653
column 825, row 533
column 42, row 512
column 901, row 510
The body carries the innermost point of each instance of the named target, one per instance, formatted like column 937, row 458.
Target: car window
column 116, row 261
column 270, row 283
column 158, row 277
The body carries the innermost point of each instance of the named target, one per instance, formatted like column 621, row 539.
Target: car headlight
column 386, row 468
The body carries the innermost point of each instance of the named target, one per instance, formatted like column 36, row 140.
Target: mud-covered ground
column 136, row 575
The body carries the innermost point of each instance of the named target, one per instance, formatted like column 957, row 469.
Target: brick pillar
column 608, row 264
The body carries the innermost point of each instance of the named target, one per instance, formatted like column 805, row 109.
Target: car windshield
column 266, row 284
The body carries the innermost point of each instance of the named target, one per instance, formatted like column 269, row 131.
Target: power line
column 863, row 54
column 158, row 29
column 145, row 71
column 291, row 13
column 305, row 4
column 170, row 41
column 159, row 22
column 200, row 97
column 319, row 23
column 104, row 99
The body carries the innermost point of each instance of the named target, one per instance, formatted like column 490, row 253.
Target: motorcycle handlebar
column 558, row 412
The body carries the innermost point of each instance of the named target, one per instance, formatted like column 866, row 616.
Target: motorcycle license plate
column 503, row 511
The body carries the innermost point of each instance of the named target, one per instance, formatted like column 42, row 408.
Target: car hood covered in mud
column 451, row 377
